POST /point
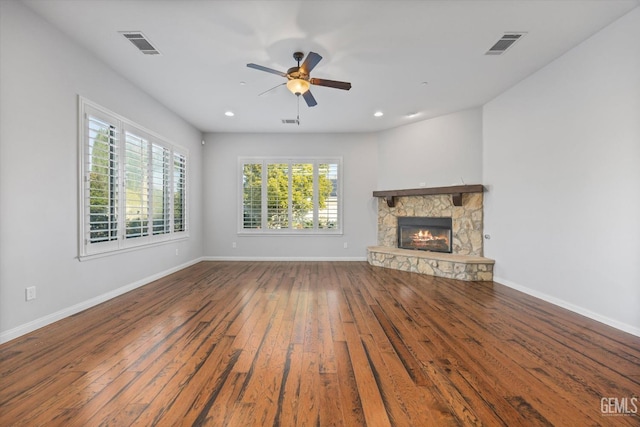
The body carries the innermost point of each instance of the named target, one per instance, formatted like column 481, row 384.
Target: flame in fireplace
column 423, row 237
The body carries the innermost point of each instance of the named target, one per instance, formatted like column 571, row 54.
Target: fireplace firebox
column 424, row 233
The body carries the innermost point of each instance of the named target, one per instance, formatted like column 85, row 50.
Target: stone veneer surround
column 466, row 219
column 465, row 262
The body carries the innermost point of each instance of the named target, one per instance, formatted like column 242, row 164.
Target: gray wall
column 221, row 195
column 443, row 151
column 436, row 152
column 41, row 75
column 562, row 161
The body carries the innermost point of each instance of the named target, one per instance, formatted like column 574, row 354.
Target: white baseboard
column 572, row 307
column 226, row 258
column 69, row 311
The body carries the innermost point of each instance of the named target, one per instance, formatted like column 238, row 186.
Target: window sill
column 88, row 257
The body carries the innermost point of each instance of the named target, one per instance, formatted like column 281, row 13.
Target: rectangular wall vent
column 504, row 43
column 140, row 41
column 289, row 121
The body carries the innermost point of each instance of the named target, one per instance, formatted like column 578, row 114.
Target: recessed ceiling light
column 424, row 83
column 412, row 115
column 243, row 83
column 378, row 114
column 229, row 113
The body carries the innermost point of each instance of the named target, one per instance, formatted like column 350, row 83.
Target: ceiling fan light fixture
column 298, row 86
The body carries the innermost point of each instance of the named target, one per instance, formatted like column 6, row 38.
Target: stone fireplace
column 463, row 258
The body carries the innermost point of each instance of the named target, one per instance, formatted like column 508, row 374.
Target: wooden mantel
column 456, row 192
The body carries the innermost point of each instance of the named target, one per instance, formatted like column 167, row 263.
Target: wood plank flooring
column 320, row 344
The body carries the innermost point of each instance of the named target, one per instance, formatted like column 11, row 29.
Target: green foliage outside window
column 102, row 187
column 280, row 176
column 103, row 191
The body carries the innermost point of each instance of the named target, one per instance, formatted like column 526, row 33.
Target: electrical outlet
column 346, row 245
column 30, row 293
column 233, row 245
column 177, row 251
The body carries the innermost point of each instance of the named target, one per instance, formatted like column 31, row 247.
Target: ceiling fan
column 298, row 79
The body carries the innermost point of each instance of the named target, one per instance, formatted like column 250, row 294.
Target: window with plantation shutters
column 160, row 190
column 101, row 181
column 251, row 196
column 136, row 186
column 179, row 192
column 328, row 213
column 297, row 196
column 133, row 184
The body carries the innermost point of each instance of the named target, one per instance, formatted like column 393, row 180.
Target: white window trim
column 289, row 231
column 88, row 250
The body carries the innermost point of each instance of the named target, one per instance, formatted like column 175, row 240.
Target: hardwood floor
column 320, row 343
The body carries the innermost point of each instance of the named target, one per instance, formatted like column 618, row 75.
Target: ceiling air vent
column 140, row 41
column 504, row 43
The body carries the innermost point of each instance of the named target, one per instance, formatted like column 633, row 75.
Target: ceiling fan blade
column 268, row 70
column 309, row 99
column 275, row 87
column 331, row 83
column 310, row 62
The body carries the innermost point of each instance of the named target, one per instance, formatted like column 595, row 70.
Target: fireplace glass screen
column 425, row 233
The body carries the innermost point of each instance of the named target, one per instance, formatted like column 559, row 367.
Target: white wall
column 359, row 160
column 562, row 162
column 41, row 74
column 438, row 152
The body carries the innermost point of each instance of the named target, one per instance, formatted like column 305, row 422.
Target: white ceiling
column 386, row 49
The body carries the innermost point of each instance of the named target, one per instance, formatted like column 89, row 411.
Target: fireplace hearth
column 425, row 233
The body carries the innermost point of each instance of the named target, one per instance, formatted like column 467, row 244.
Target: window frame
column 289, row 231
column 121, row 128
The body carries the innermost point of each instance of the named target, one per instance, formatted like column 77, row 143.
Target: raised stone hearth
column 461, row 267
column 466, row 262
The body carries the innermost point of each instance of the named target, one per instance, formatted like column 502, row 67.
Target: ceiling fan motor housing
column 295, row 73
